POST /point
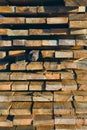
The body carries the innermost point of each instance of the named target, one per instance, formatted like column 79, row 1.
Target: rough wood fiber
column 43, row 65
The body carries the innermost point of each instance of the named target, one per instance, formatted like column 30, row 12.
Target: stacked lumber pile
column 43, row 65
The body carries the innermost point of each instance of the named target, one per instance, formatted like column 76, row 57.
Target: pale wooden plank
column 57, row 20
column 69, row 85
column 4, row 122
column 12, row 20
column 22, row 96
column 22, row 120
column 36, row 86
column 20, row 86
column 4, row 108
column 63, row 108
column 35, row 66
column 21, row 107
column 53, row 85
column 36, row 20
column 63, row 96
column 43, row 96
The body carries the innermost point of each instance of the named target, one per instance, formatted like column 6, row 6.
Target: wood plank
column 7, row 128
column 3, row 31
column 78, row 24
column 5, row 43
column 64, row 127
column 5, row 75
column 12, row 20
column 42, row 108
column 80, row 53
column 35, row 76
column 22, row 120
column 35, row 66
column 68, row 74
column 22, row 96
column 63, row 108
column 17, row 32
column 18, row 42
column 6, row 123
column 75, row 64
column 16, row 52
column 64, row 54
column 42, row 96
column 52, row 75
column 63, row 96
column 36, row 85
column 70, row 127
column 26, row 9
column 6, row 9
column 65, row 121
column 48, row 31
column 25, row 127
column 6, row 96
column 49, row 42
column 21, row 107
column 69, row 85
column 81, row 42
column 47, row 53
column 78, row 31
column 50, row 65
column 2, row 54
column 36, row 20
column 69, row 121
column 45, row 127
column 78, row 17
column 82, row 84
column 4, row 108
column 42, row 117
column 18, row 66
column 5, row 86
column 43, row 122
column 82, row 64
column 53, row 85
column 32, row 43
column 66, row 42
column 3, row 66
column 81, row 107
column 81, row 74
column 18, row 76
column 20, row 86
column 80, row 96
column 57, row 20
column 85, row 122
column 69, row 64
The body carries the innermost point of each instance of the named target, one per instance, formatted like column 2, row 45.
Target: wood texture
column 43, row 65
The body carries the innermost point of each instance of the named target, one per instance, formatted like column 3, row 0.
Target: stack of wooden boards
column 43, row 65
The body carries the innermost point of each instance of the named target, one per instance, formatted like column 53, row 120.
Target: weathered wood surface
column 22, row 120
column 11, row 20
column 5, row 122
column 45, row 96
column 43, row 65
column 63, row 108
column 21, row 107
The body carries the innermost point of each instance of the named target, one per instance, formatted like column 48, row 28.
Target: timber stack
column 43, row 65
